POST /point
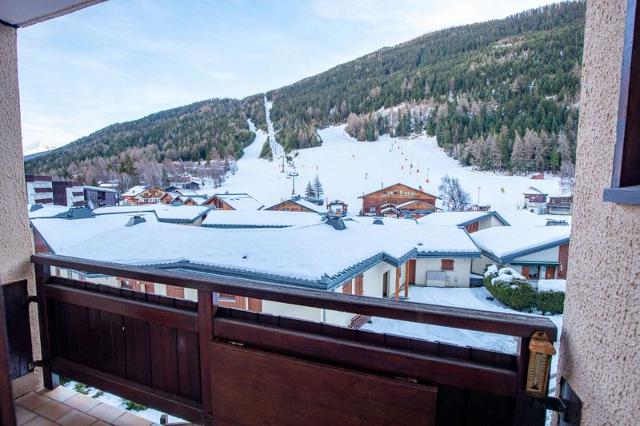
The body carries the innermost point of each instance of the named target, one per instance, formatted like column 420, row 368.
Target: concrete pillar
column 15, row 237
column 600, row 343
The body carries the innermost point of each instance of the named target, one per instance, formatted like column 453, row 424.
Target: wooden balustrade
column 198, row 361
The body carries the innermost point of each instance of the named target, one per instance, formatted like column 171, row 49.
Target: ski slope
column 348, row 168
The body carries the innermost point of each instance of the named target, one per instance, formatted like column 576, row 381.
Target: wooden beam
column 397, row 291
column 7, row 413
column 43, row 274
column 154, row 398
column 131, row 308
column 431, row 369
column 469, row 319
column 205, row 336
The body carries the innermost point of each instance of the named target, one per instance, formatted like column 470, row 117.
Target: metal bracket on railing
column 36, row 363
column 567, row 411
column 32, row 299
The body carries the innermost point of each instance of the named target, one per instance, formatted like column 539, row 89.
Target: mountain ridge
column 410, row 73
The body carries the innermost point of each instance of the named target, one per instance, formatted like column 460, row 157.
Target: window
column 625, row 181
column 226, row 298
column 447, row 265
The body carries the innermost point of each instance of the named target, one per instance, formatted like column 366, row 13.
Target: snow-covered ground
column 148, row 413
column 348, row 169
column 471, row 298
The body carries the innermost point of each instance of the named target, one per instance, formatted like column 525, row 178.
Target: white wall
column 373, row 279
column 459, row 277
column 479, row 265
column 292, row 311
column 549, row 255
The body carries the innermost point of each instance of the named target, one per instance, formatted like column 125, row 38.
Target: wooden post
column 398, row 273
column 407, row 273
column 43, row 273
column 205, row 336
column 7, row 413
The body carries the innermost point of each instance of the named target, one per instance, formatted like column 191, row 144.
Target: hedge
column 551, row 302
column 517, row 294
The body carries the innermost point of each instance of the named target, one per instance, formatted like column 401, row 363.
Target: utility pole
column 293, row 175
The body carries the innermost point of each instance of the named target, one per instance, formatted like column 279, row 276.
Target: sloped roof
column 386, row 188
column 259, row 219
column 164, row 212
column 534, row 190
column 505, row 243
column 308, row 256
column 240, row 201
column 134, row 190
column 459, row 218
column 302, row 202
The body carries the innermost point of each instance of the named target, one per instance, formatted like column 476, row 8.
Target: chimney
column 136, row 219
column 337, row 223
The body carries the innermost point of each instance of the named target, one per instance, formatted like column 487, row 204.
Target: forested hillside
column 499, row 95
column 208, row 130
column 481, row 88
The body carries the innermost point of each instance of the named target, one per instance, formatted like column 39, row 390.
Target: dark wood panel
column 189, row 365
column 126, row 306
column 390, row 361
column 112, row 344
column 138, row 360
column 146, row 395
column 251, row 387
column 7, row 413
column 164, row 358
column 493, row 322
column 18, row 327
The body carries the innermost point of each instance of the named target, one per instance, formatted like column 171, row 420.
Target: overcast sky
column 123, row 59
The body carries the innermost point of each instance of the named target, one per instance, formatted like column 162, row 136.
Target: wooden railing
column 186, row 358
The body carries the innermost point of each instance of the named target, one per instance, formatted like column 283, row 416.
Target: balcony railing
column 215, row 365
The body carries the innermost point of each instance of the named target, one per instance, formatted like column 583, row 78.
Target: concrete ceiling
column 22, row 13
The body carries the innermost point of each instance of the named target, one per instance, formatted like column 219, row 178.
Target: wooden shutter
column 359, row 285
column 447, row 265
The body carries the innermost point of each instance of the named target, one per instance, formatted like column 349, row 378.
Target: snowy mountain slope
column 348, row 169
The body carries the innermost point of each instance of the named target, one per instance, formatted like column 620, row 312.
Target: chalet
column 560, row 205
column 538, row 252
column 39, row 189
column 238, row 201
column 96, row 196
column 471, row 221
column 408, row 201
column 337, row 208
column 142, row 195
column 534, row 199
column 297, row 204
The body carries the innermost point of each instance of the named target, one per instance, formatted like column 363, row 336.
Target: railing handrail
column 470, row 319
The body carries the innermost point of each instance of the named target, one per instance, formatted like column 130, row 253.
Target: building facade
column 403, row 198
column 39, row 189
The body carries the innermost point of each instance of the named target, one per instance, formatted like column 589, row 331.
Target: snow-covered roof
column 241, row 201
column 316, row 255
column 45, row 210
column 504, row 243
column 134, row 190
column 100, row 188
column 534, row 190
column 259, row 219
column 164, row 212
column 458, row 218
